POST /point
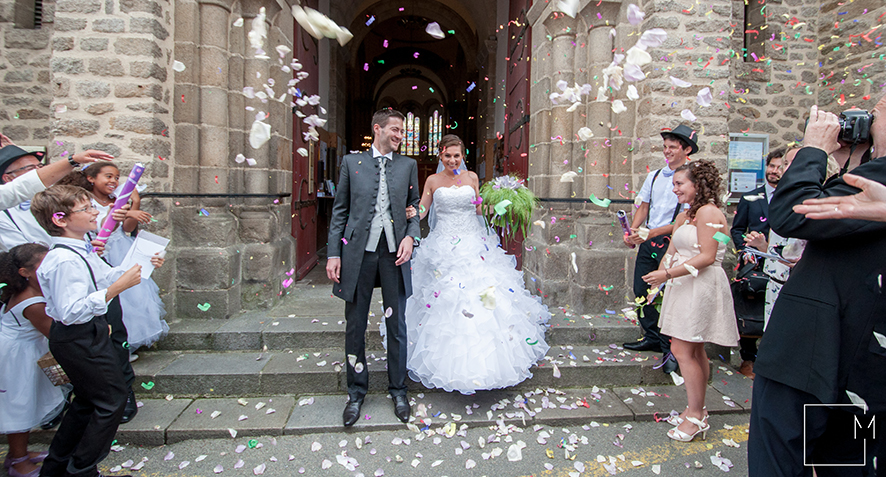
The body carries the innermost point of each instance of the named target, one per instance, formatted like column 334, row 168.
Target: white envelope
column 142, row 250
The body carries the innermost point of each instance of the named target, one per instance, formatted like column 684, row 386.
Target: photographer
column 821, row 345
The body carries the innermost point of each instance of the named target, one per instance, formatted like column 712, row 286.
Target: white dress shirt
column 664, row 201
column 769, row 191
column 71, row 297
column 18, row 226
column 21, row 189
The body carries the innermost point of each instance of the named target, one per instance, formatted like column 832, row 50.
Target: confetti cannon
column 108, row 227
column 623, row 220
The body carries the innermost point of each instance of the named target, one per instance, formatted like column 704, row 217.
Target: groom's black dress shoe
column 352, row 412
column 401, row 408
column 642, row 345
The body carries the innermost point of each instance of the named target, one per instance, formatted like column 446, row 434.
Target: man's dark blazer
column 354, row 208
column 822, row 336
column 748, row 214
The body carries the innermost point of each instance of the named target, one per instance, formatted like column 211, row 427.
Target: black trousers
column 119, row 337
column 377, row 267
column 648, row 259
column 776, row 442
column 748, row 348
column 90, row 359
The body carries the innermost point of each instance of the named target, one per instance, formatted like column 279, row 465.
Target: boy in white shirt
column 78, row 287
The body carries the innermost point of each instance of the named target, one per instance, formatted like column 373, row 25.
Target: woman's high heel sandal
column 678, row 435
column 675, row 420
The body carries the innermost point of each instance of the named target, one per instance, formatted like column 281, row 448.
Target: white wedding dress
column 470, row 322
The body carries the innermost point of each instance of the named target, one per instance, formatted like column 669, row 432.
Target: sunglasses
column 28, row 168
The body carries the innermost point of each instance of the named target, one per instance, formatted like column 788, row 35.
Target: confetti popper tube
column 134, row 175
column 623, row 220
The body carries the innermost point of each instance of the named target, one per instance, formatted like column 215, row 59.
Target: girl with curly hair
column 697, row 305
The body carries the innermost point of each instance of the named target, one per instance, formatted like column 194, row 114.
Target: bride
column 471, row 324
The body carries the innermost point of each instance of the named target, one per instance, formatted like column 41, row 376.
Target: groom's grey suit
column 349, row 231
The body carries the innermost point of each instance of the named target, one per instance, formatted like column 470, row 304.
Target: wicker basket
column 53, row 370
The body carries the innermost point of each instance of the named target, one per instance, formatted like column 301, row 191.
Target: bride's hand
column 411, row 212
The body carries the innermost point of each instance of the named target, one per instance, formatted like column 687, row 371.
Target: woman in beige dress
column 697, row 305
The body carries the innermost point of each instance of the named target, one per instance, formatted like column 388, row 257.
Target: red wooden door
column 516, row 140
column 304, row 187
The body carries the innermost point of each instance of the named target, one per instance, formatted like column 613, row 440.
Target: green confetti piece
column 252, row 443
column 721, row 237
column 148, row 385
column 502, row 207
column 600, row 202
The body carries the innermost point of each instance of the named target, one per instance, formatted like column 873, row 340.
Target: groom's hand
column 333, row 269
column 404, row 253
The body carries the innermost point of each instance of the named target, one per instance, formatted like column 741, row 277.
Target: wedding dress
column 471, row 324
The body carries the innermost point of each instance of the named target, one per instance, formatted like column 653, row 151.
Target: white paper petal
column 704, row 97
column 638, row 56
column 282, row 50
column 178, row 66
column 585, row 133
column 618, row 106
column 238, row 22
column 635, row 16
column 319, row 25
column 568, row 176
column 687, row 115
column 692, row 270
column 632, row 93
column 302, row 152
column 239, row 160
column 435, row 31
column 259, row 134
column 573, row 107
column 857, row 400
column 569, row 7
column 218, row 469
column 653, row 38
column 515, row 453
column 680, row 83
column 633, row 73
column 678, row 380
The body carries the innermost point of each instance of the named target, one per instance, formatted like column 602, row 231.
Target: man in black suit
column 750, row 228
column 821, row 362
column 370, row 244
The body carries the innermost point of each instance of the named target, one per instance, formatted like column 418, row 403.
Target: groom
column 374, row 245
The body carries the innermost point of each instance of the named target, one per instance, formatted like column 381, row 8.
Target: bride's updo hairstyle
column 706, row 179
column 450, row 140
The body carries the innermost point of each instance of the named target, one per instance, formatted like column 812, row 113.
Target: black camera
column 855, row 126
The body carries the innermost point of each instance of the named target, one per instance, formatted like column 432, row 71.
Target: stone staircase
column 298, row 347
column 275, row 373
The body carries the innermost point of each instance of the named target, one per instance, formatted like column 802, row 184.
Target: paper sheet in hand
column 768, row 255
column 145, row 246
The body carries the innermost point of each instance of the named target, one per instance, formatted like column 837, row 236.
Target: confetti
column 721, row 237
column 320, row 26
column 435, row 31
column 600, row 202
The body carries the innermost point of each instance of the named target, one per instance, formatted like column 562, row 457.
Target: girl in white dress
column 470, row 322
column 143, row 311
column 26, row 394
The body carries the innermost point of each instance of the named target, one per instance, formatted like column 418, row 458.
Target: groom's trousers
column 377, row 267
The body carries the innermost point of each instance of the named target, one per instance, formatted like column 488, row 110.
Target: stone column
column 234, row 257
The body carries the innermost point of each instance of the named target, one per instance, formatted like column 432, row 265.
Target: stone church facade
column 81, row 74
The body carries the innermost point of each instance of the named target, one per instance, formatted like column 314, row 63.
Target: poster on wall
column 746, row 162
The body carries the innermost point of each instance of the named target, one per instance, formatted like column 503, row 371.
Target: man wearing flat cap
column 17, row 163
column 651, row 229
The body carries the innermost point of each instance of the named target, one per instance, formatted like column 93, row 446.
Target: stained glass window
column 435, row 123
column 410, row 145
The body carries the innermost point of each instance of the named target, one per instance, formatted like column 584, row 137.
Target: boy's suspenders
column 652, row 194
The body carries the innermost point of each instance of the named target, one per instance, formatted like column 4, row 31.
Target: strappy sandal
column 678, row 435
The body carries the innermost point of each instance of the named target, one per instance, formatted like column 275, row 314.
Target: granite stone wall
column 26, row 92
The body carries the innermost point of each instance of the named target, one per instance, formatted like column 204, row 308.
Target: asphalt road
column 643, row 442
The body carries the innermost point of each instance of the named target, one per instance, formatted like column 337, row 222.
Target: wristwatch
column 72, row 162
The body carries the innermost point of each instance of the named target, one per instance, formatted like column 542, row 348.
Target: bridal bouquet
column 508, row 205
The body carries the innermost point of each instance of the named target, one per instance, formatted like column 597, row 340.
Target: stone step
column 162, row 421
column 244, row 373
column 258, row 331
